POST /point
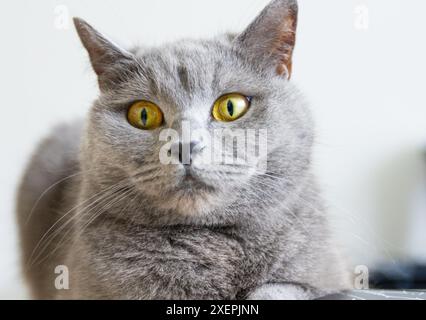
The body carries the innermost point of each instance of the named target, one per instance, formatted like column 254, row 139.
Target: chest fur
column 177, row 263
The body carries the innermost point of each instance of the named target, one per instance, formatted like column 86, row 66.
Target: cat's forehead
column 188, row 68
column 187, row 55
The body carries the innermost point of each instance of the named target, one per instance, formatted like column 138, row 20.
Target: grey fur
column 131, row 228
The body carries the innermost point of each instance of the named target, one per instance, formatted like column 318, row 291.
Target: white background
column 366, row 86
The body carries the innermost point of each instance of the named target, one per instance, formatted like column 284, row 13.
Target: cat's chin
column 190, row 203
column 188, row 197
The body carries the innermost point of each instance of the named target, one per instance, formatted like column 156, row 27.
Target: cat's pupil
column 144, row 116
column 230, row 108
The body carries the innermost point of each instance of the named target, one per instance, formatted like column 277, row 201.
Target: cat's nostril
column 181, row 152
column 192, row 147
column 186, row 152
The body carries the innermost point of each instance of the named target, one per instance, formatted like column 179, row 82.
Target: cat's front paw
column 274, row 291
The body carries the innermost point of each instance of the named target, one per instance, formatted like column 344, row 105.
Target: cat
column 96, row 200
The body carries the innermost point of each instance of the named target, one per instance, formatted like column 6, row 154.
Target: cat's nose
column 187, row 151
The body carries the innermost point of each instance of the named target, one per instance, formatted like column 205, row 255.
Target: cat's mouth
column 186, row 190
column 190, row 181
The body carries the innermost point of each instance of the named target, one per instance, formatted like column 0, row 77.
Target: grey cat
column 96, row 199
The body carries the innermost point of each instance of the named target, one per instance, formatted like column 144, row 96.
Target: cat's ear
column 103, row 53
column 270, row 38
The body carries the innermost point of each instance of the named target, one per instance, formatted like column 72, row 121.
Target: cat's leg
column 281, row 291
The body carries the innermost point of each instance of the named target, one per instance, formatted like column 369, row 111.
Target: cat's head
column 231, row 82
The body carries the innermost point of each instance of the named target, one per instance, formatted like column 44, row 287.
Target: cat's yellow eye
column 145, row 115
column 230, row 107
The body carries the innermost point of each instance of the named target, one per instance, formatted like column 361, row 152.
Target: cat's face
column 184, row 80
